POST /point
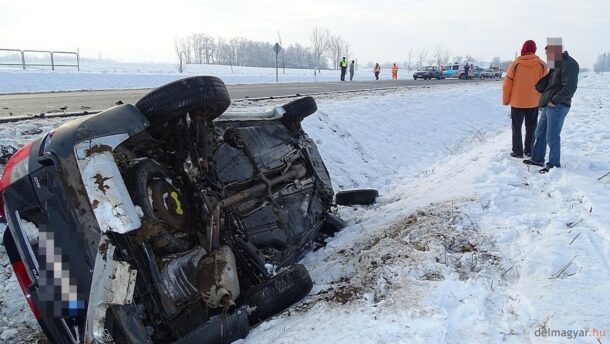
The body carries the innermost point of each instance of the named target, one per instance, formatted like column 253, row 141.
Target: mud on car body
column 167, row 222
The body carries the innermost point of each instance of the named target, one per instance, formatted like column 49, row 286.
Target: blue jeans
column 548, row 132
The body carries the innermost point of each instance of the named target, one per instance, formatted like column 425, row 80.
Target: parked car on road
column 488, row 74
column 477, row 72
column 169, row 221
column 455, row 71
column 428, row 73
column 497, row 72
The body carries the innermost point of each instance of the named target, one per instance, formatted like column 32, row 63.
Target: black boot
column 532, row 162
column 515, row 155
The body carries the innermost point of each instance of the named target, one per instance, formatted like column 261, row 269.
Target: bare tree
column 422, row 54
column 495, row 62
column 334, row 49
column 207, row 46
column 438, row 55
column 185, row 50
column 446, row 59
column 319, row 42
column 195, row 44
column 409, row 58
column 178, row 46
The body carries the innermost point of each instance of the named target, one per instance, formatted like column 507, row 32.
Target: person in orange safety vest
column 394, row 72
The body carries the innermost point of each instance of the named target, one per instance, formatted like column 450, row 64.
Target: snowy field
column 465, row 244
column 101, row 76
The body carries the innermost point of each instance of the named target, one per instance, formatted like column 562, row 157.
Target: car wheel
column 296, row 111
column 158, row 198
column 278, row 293
column 207, row 95
column 353, row 197
column 414, row 78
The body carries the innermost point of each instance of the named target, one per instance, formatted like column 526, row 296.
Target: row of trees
column 203, row 48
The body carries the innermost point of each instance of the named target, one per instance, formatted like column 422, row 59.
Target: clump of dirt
column 341, row 292
column 430, row 245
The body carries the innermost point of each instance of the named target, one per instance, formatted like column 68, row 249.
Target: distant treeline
column 203, row 48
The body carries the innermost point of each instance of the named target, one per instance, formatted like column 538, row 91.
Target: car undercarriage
column 201, row 219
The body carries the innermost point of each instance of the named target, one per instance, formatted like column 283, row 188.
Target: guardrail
column 24, row 65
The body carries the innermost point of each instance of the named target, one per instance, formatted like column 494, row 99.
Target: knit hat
column 529, row 47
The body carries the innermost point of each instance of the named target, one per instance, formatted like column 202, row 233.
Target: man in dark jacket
column 557, row 89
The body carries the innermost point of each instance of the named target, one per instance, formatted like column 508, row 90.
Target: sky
column 383, row 31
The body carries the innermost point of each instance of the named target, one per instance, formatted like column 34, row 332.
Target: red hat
column 529, row 47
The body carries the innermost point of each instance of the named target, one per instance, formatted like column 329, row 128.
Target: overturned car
column 166, row 222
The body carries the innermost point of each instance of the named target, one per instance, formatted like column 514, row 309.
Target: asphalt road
column 26, row 104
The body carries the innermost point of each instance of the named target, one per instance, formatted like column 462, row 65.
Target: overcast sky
column 384, row 31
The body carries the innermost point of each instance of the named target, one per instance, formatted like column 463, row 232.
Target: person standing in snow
column 394, row 72
column 377, row 70
column 466, row 70
column 557, row 89
column 343, row 65
column 519, row 91
column 351, row 70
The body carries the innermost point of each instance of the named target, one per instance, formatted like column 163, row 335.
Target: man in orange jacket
column 394, row 72
column 518, row 90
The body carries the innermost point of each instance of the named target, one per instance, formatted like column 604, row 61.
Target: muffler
column 218, row 280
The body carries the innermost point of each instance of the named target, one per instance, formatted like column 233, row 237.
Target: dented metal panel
column 114, row 285
column 108, row 195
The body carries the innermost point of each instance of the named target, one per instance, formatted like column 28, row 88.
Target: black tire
column 278, row 293
column 414, row 78
column 356, row 197
column 332, row 224
column 207, row 94
column 148, row 174
column 296, row 111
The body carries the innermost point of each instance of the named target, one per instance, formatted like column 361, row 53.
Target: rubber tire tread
column 207, row 93
column 278, row 293
column 356, row 197
column 296, row 111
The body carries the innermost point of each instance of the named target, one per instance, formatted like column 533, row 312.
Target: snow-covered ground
column 103, row 75
column 465, row 244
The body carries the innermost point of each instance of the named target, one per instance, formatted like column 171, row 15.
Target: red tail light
column 25, row 282
column 16, row 168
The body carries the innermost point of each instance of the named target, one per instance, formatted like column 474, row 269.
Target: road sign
column 277, row 48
